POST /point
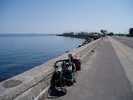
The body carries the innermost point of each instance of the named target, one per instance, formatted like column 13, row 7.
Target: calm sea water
column 21, row 53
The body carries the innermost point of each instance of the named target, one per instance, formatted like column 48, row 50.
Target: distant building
column 131, row 31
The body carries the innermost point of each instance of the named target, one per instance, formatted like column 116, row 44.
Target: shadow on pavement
column 56, row 92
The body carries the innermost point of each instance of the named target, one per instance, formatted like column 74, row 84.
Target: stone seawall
column 33, row 84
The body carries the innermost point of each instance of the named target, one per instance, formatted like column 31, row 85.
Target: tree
column 131, row 31
column 104, row 32
column 110, row 34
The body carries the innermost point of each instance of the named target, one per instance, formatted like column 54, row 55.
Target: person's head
column 76, row 56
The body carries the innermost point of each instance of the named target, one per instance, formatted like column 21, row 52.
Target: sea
column 21, row 53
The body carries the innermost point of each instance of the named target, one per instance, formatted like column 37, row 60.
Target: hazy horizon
column 51, row 17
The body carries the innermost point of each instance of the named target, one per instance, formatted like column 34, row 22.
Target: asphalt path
column 102, row 78
column 125, row 40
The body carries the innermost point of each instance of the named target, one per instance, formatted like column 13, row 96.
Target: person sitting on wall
column 77, row 62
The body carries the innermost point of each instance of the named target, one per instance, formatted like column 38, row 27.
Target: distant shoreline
column 72, row 36
column 82, row 35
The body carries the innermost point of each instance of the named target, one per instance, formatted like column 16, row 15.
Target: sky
column 57, row 16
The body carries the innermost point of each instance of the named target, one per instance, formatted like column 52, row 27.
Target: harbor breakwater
column 33, row 84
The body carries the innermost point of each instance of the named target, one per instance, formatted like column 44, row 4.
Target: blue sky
column 57, row 16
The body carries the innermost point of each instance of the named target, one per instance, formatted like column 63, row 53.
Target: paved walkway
column 125, row 40
column 102, row 78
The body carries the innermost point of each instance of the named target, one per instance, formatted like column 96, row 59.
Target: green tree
column 110, row 34
column 104, row 32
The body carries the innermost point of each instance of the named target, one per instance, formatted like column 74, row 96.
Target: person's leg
column 74, row 76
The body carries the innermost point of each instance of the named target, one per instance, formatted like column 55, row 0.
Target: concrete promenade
column 106, row 75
